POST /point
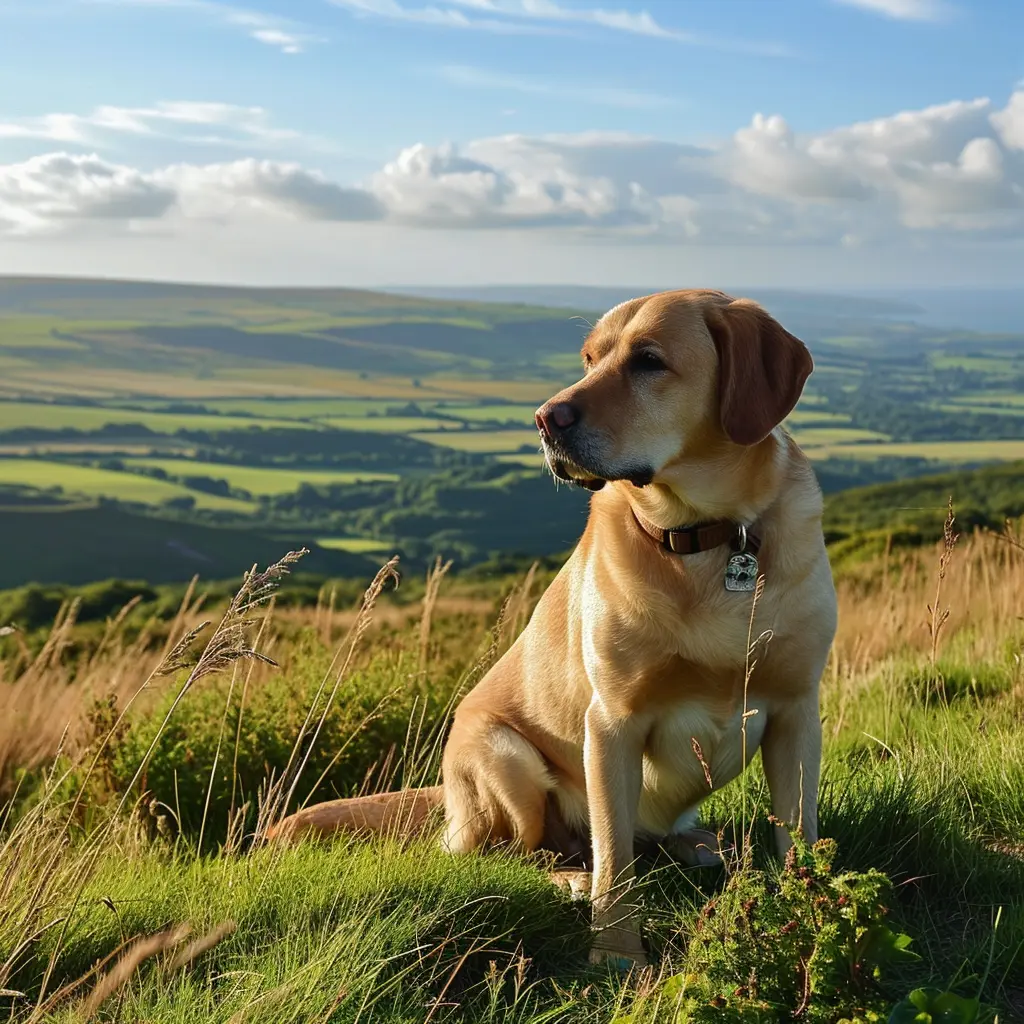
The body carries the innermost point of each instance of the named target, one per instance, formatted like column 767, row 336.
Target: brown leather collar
column 690, row 540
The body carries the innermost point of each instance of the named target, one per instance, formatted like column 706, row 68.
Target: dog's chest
column 691, row 750
column 707, row 624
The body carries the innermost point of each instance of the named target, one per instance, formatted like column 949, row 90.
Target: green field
column 481, row 440
column 255, row 479
column 60, row 417
column 815, row 437
column 940, row 451
column 301, row 409
column 809, row 414
column 278, row 387
column 985, row 362
column 519, row 414
column 357, row 545
column 100, row 483
column 389, row 424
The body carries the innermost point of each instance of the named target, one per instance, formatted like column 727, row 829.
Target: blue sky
column 816, row 142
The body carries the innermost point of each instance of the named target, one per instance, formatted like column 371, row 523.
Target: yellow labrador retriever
column 623, row 702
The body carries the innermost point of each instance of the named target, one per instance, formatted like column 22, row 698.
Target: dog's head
column 667, row 376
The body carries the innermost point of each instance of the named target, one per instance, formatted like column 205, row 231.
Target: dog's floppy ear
column 761, row 369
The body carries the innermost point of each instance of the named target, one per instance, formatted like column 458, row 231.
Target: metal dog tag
column 741, row 569
column 741, row 572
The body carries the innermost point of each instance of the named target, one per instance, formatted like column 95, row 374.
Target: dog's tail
column 404, row 812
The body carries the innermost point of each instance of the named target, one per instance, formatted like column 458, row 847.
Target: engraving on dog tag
column 741, row 572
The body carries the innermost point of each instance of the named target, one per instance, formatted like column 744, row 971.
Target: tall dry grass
column 888, row 609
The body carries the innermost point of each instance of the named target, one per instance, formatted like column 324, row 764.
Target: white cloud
column 599, row 95
column 439, row 186
column 767, row 158
column 543, row 16
column 904, row 10
column 280, row 33
column 221, row 123
column 46, row 192
column 287, row 42
column 943, row 166
column 441, row 17
column 950, row 170
column 1010, row 122
column 220, row 191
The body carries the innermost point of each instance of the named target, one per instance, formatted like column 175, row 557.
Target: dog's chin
column 572, row 472
column 562, row 469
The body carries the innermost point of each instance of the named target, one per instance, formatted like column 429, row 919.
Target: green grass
column 357, row 545
column 498, row 413
column 481, row 440
column 1003, row 399
column 813, row 416
column 924, row 791
column 995, row 363
column 814, row 437
column 389, row 424
column 923, row 780
column 59, row 417
column 100, row 483
column 301, row 409
column 986, row 409
column 259, row 480
column 32, row 333
column 78, row 545
column 944, row 451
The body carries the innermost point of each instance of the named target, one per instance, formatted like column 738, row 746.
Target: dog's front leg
column 613, row 762
column 791, row 754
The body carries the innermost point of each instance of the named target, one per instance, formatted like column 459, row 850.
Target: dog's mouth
column 564, row 468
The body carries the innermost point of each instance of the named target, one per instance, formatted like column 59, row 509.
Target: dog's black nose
column 553, row 419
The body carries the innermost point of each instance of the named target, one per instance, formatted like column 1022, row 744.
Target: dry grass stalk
column 195, row 949
column 937, row 617
column 435, row 575
column 279, row 793
column 516, row 611
column 228, row 644
column 750, row 663
column 129, row 962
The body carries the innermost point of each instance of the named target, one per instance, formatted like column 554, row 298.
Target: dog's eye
column 646, row 362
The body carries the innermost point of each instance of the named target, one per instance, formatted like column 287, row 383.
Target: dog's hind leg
column 496, row 786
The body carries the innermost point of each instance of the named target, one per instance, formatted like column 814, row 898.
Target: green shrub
column 810, row 945
column 244, row 735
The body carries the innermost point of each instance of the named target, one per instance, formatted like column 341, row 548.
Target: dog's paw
column 696, row 848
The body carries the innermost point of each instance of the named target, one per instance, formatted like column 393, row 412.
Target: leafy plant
column 933, row 1006
column 809, row 943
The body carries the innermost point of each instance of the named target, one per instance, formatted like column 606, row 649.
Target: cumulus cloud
column 943, row 166
column 222, row 190
column 56, row 190
column 49, row 191
column 1010, row 121
column 955, row 168
column 439, row 186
